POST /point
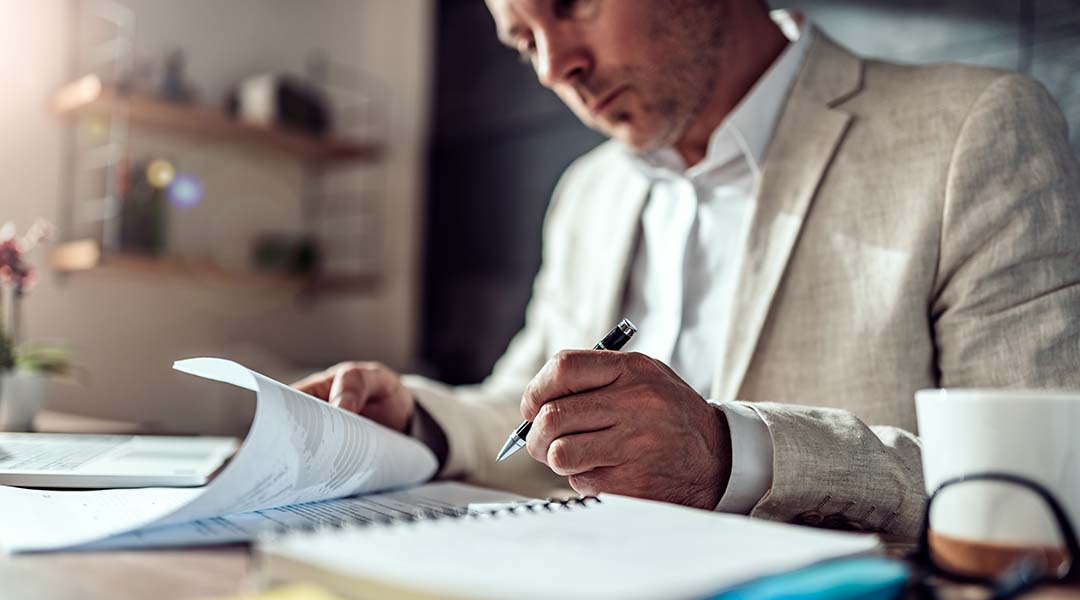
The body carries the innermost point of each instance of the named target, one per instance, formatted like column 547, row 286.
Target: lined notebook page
column 618, row 547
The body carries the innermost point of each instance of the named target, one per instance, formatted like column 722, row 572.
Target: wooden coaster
column 988, row 559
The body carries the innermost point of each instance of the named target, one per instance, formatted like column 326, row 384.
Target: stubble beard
column 683, row 84
column 681, row 97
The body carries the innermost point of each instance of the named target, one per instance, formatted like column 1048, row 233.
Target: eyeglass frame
column 924, row 559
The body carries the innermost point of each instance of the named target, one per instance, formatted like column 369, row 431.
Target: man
column 805, row 238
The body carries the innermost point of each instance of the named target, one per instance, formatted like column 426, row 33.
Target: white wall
column 129, row 327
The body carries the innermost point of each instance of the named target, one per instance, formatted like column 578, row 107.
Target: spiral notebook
column 606, row 547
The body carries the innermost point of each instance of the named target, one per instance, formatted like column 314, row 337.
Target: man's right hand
column 365, row 388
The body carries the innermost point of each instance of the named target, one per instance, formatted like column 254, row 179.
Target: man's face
column 638, row 71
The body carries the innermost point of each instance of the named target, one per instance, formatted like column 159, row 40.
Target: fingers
column 355, row 384
column 316, row 384
column 349, row 385
column 575, row 414
column 594, row 482
column 572, row 372
column 583, row 452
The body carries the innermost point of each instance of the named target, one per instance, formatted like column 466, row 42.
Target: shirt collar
column 747, row 130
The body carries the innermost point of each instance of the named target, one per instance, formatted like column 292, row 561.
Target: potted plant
column 23, row 368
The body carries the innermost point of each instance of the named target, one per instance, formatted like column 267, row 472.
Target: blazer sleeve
column 477, row 419
column 1005, row 312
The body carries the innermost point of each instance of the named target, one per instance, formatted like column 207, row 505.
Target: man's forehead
column 510, row 14
column 503, row 7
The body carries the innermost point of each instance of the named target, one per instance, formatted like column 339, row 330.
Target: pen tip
column 507, row 449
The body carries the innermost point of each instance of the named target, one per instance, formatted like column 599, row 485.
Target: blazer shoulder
column 936, row 74
column 934, row 103
column 945, row 87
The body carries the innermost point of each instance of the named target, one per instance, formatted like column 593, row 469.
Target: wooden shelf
column 89, row 96
column 85, row 255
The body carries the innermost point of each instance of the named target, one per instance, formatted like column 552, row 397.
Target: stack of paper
column 297, row 450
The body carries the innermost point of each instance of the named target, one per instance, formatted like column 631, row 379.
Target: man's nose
column 561, row 60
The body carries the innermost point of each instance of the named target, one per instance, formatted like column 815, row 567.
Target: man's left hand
column 625, row 423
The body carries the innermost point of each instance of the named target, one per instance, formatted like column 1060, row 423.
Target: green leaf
column 50, row 359
column 7, row 353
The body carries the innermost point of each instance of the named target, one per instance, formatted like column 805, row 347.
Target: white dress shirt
column 682, row 280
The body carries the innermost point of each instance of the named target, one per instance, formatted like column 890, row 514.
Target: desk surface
column 157, row 574
column 163, row 574
column 182, row 575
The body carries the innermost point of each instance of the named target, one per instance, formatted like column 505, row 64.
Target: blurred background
column 293, row 183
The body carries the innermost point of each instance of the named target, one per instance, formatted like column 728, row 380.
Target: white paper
column 618, row 548
column 425, row 501
column 297, row 450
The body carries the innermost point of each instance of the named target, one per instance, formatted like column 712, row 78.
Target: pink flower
column 13, row 268
column 40, row 231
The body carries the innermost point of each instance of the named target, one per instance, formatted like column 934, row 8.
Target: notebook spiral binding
column 509, row 509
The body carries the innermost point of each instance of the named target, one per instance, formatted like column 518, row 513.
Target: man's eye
column 572, row 9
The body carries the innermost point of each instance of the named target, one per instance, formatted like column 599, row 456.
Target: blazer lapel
column 806, row 138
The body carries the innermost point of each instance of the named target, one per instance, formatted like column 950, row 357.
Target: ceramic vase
column 22, row 395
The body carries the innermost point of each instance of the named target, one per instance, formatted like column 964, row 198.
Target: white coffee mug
column 1031, row 434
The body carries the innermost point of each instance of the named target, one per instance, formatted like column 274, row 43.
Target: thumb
column 350, row 389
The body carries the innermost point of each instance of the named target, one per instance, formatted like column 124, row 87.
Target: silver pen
column 614, row 341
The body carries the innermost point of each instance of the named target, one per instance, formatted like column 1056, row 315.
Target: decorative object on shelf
column 23, row 368
column 142, row 210
column 174, row 86
column 276, row 100
column 164, row 79
column 287, row 254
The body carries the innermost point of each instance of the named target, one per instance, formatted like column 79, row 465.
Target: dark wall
column 501, row 141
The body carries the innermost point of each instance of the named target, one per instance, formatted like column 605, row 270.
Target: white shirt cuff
column 751, row 459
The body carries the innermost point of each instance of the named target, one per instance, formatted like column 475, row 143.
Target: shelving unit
column 84, row 255
column 89, row 96
column 93, row 184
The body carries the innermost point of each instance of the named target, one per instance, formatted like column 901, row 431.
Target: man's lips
column 600, row 105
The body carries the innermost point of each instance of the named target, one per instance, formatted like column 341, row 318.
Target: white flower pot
column 22, row 394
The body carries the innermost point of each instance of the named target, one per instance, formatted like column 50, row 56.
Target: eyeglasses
column 1032, row 568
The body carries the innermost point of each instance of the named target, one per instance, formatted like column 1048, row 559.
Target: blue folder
column 862, row 578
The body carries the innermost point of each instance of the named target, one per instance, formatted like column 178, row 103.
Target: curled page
column 298, row 449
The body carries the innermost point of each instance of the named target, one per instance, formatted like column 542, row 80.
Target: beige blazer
column 915, row 227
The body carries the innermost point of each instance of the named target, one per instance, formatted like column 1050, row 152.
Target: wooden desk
column 124, row 575
column 184, row 575
column 128, row 575
column 171, row 574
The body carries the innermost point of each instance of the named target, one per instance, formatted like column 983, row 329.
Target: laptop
column 86, row 461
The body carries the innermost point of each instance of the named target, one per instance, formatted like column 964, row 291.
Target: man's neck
column 755, row 45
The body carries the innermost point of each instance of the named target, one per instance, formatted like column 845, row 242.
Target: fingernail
column 340, row 399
